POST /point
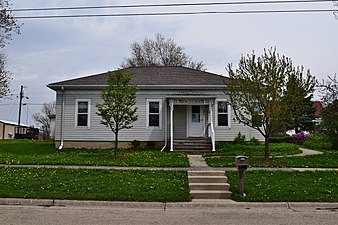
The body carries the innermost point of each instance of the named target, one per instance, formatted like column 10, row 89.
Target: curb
column 227, row 204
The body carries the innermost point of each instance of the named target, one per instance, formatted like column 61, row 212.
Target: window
column 195, row 114
column 153, row 113
column 222, row 113
column 82, row 109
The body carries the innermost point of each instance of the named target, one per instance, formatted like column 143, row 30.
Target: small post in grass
column 242, row 163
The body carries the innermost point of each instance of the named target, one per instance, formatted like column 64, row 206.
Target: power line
column 169, row 5
column 179, row 13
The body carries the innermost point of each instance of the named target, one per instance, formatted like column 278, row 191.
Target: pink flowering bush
column 299, row 138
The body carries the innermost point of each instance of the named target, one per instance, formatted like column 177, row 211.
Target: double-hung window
column 222, row 113
column 82, row 110
column 154, row 108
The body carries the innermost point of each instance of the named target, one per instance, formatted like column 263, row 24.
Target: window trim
column 88, row 113
column 216, row 113
column 159, row 113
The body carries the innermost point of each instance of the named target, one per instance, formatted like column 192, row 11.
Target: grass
column 225, row 155
column 267, row 186
column 44, row 153
column 229, row 149
column 80, row 184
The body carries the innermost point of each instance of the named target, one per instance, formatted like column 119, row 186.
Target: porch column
column 212, row 135
column 171, row 106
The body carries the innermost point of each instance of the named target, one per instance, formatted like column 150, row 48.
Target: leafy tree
column 43, row 118
column 257, row 92
column 299, row 105
column 329, row 91
column 8, row 25
column 159, row 52
column 117, row 110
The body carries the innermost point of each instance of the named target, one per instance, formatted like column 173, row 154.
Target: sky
column 51, row 50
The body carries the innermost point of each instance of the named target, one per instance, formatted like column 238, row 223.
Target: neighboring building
column 8, row 129
column 173, row 103
column 318, row 112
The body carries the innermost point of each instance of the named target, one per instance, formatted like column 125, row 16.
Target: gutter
column 62, row 117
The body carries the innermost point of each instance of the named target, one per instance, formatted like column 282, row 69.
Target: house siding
column 180, row 118
column 100, row 133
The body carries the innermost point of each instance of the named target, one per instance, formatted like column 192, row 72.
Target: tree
column 43, row 118
column 4, row 76
column 119, row 98
column 257, row 92
column 159, row 52
column 329, row 91
column 8, row 25
column 299, row 105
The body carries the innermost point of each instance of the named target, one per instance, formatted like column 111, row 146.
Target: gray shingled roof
column 152, row 76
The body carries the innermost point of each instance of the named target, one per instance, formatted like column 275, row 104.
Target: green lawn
column 224, row 157
column 267, row 186
column 43, row 153
column 80, row 184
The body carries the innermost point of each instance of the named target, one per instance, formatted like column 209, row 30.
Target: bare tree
column 8, row 25
column 160, row 52
column 43, row 118
column 329, row 91
column 4, row 76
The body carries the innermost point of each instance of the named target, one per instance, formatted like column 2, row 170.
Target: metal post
column 241, row 182
column 20, row 104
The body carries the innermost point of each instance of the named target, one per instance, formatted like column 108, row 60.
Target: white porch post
column 171, row 105
column 212, row 126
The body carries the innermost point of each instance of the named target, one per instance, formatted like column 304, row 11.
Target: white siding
column 99, row 132
column 180, row 124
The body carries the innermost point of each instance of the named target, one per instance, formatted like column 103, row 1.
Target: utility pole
column 20, row 104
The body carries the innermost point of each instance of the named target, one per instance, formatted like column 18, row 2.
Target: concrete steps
column 208, row 185
column 192, row 145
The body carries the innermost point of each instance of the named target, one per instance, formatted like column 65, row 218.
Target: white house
column 174, row 104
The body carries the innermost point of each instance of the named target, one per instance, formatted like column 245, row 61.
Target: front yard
column 26, row 152
column 159, row 185
column 81, row 184
column 226, row 152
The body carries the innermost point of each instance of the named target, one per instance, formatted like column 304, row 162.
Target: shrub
column 135, row 144
column 299, row 138
column 254, row 141
column 318, row 142
column 240, row 139
column 281, row 139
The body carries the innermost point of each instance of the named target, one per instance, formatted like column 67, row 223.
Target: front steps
column 208, row 185
column 192, row 145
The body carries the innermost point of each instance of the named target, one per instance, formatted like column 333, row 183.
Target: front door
column 195, row 121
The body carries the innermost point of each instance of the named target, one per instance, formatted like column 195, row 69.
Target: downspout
column 62, row 116
column 165, row 129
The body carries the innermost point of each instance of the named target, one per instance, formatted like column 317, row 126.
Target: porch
column 191, row 127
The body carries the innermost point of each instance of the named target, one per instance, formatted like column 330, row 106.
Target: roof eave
column 57, row 87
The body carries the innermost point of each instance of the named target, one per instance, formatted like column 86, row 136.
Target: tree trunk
column 267, row 148
column 116, row 144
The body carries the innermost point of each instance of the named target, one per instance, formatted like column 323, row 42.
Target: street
column 29, row 215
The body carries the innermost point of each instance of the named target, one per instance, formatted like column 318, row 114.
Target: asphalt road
column 74, row 215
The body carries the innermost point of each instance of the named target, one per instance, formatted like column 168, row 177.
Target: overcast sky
column 51, row 50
